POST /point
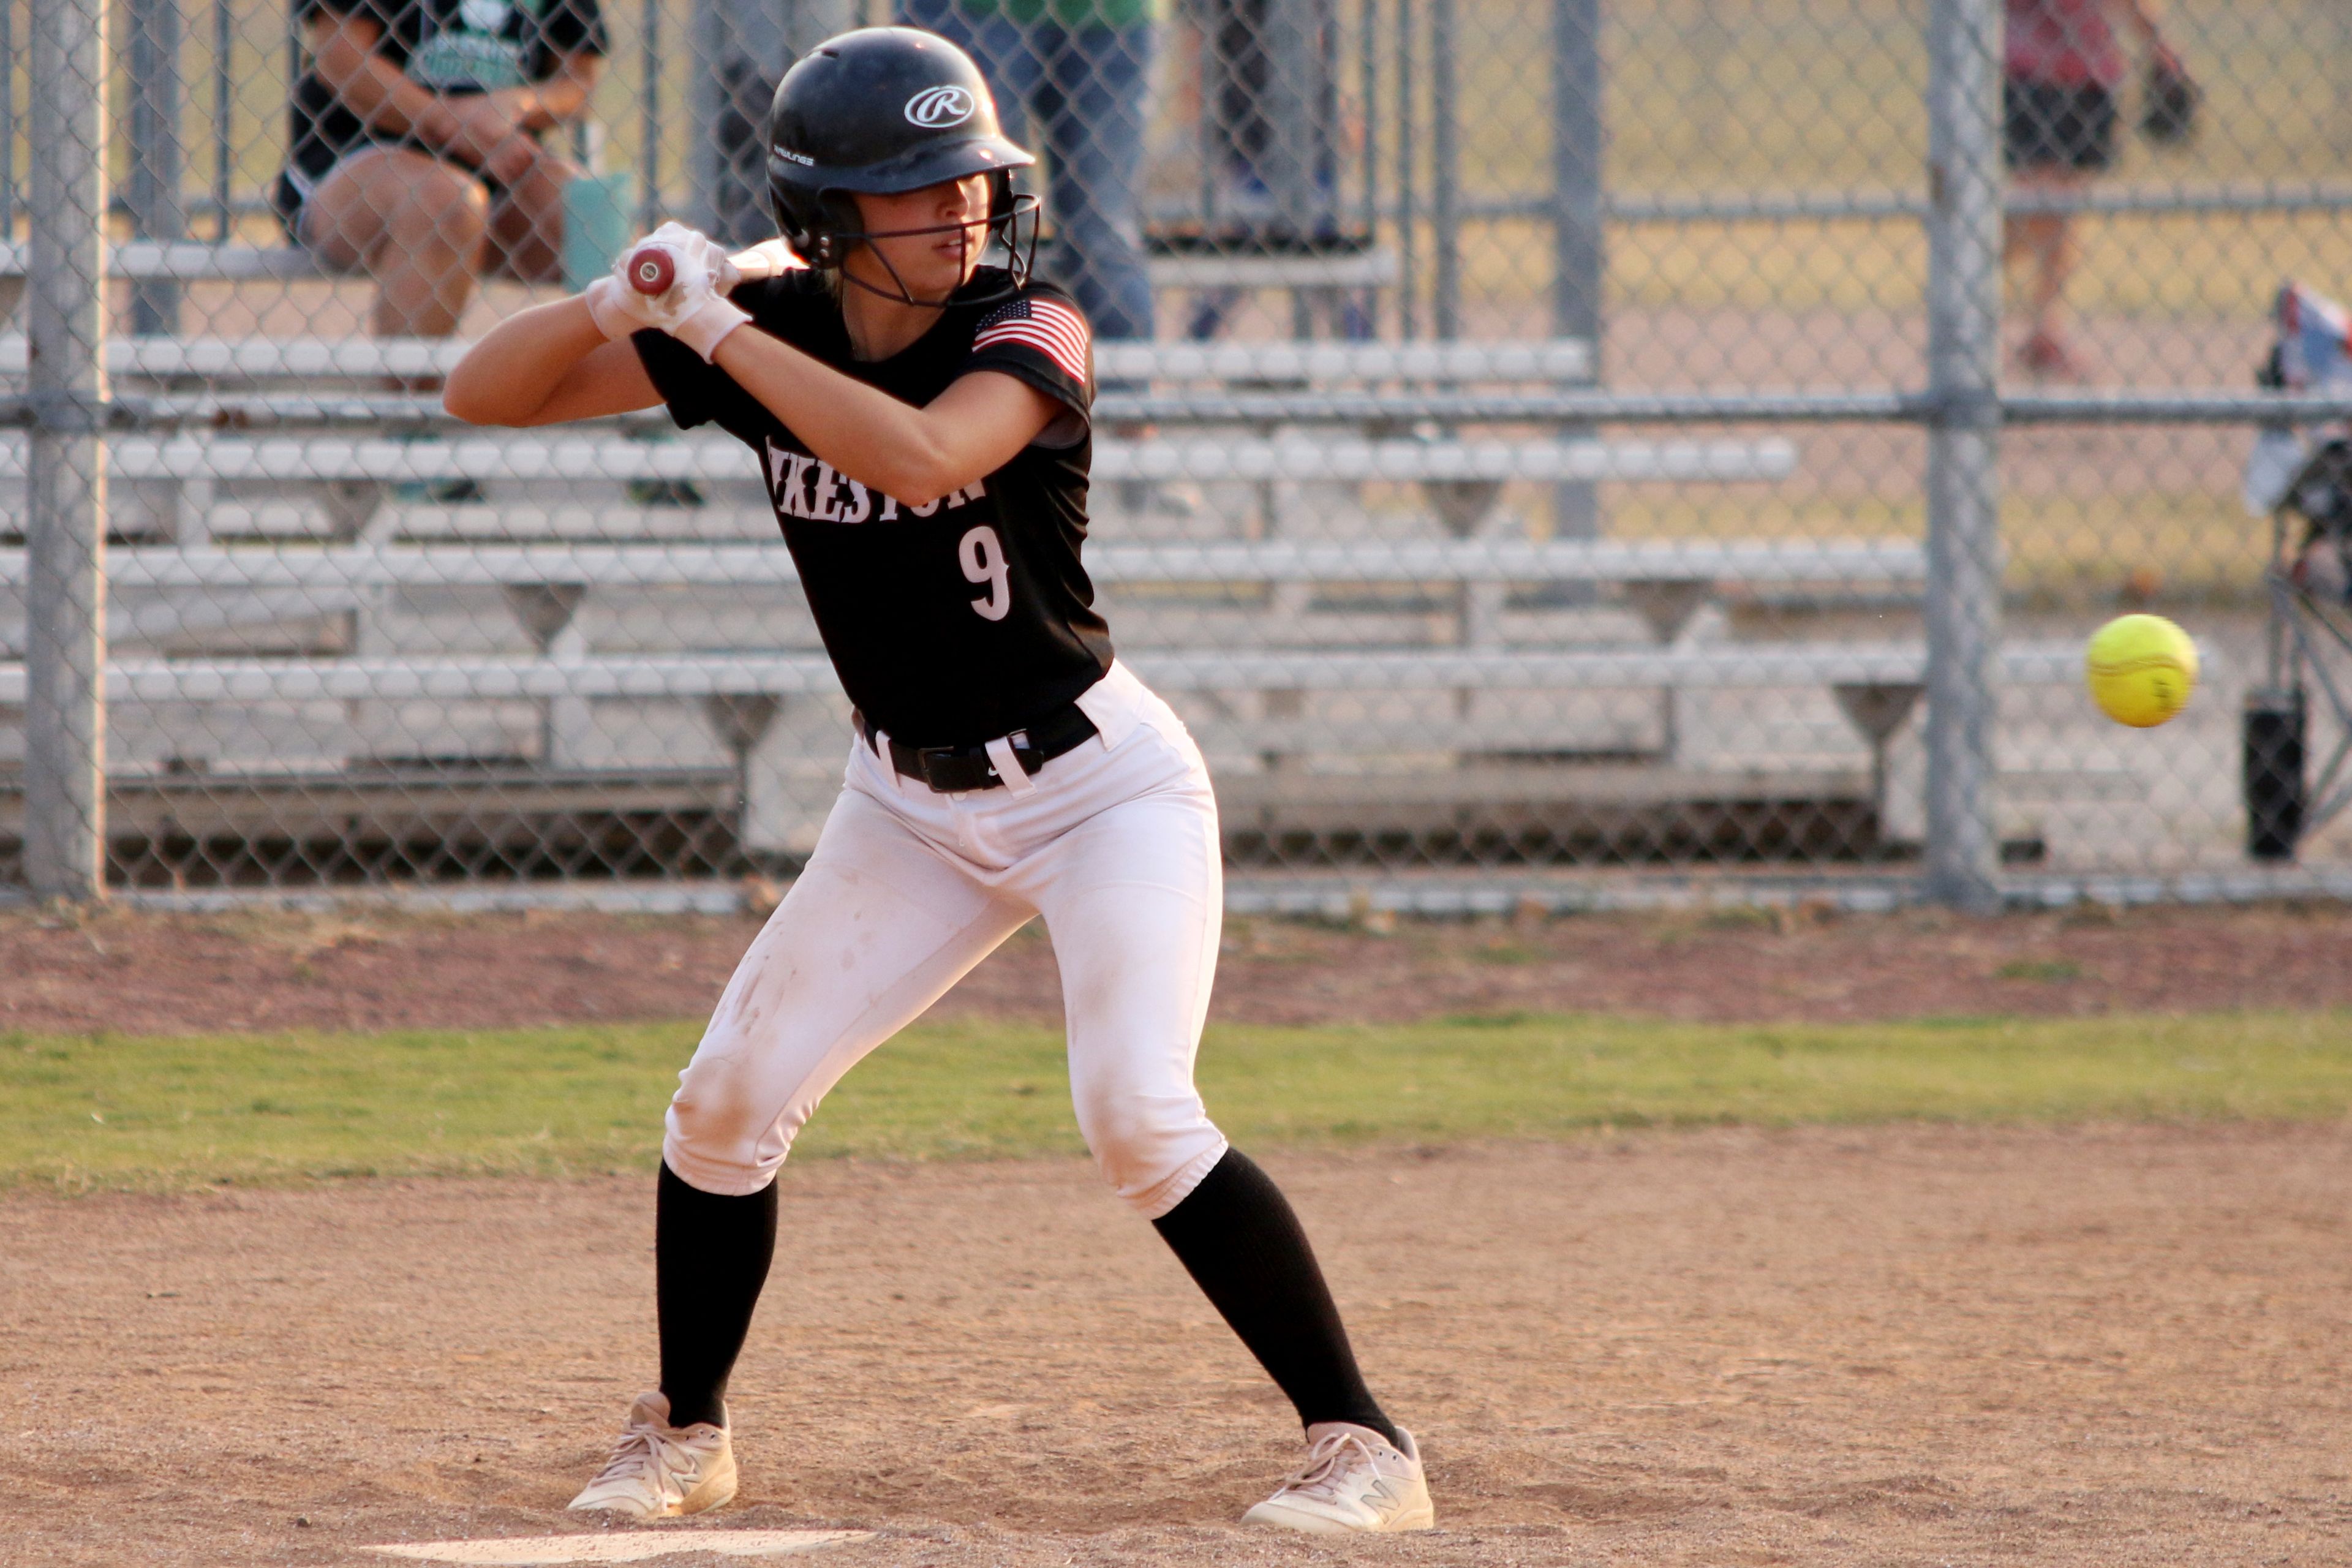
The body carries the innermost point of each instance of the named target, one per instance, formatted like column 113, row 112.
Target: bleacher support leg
column 550, row 612
column 741, row 720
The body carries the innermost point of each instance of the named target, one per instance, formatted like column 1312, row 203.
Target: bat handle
column 651, row 270
column 769, row 258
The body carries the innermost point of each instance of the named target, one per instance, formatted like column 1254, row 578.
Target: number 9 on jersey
column 983, row 562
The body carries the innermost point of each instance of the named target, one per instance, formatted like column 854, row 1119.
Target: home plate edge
column 627, row 1546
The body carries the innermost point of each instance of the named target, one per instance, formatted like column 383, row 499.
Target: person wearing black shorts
column 415, row 147
column 2061, row 67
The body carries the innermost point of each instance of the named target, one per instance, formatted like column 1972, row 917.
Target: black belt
column 956, row 768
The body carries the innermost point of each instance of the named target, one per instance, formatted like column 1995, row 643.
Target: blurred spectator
column 1253, row 137
column 417, row 150
column 1274, row 143
column 1082, row 71
column 2061, row 72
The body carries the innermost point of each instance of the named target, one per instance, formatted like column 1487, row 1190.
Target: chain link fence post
column 1963, row 589
column 65, row 700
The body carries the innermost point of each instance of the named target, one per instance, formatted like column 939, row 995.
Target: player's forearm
column 512, row 374
column 869, row 435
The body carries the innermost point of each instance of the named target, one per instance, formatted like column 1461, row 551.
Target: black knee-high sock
column 1236, row 1235
column 710, row 1257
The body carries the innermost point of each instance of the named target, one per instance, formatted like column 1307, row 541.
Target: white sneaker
column 1354, row 1480
column 658, row 1470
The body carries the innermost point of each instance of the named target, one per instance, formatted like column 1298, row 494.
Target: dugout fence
column 1569, row 450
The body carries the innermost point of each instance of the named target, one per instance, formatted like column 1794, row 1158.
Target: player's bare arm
column 552, row 363
column 970, row 430
column 544, row 366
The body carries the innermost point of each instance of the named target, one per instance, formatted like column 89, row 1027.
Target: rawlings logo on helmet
column 936, row 107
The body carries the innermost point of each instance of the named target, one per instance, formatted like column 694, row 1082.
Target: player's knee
column 718, row 1135
column 1152, row 1148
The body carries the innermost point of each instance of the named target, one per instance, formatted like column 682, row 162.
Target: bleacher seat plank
column 1287, row 796
column 1553, row 358
column 790, row 673
column 1305, row 459
column 1278, row 361
column 533, row 457
column 1364, row 269
column 187, row 260
column 1873, row 562
column 262, row 359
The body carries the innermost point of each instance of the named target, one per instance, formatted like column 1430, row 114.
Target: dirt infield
column 1894, row 1346
column 162, row 974
column 1899, row 1345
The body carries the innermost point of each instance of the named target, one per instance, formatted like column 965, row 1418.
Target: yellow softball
column 2141, row 670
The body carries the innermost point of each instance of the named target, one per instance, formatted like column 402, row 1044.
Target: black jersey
column 957, row 622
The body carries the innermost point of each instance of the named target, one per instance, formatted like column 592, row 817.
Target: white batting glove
column 617, row 306
column 691, row 309
column 618, row 309
column 705, row 326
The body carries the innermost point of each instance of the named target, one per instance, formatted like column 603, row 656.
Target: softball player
column 923, row 421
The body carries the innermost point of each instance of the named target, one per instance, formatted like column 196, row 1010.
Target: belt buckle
column 927, row 757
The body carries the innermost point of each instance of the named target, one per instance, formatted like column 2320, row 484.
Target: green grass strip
column 113, row 1111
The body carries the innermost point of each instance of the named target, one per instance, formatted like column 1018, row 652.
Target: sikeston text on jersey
column 803, row 486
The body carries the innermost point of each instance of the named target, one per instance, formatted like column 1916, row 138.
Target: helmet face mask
column 884, row 111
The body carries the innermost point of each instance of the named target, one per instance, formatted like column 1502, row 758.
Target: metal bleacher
column 302, row 648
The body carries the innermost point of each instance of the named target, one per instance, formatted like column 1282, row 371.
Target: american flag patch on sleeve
column 1051, row 328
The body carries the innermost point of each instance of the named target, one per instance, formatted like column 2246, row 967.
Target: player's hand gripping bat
column 652, row 272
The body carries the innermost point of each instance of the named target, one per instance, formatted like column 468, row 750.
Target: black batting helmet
column 883, row 111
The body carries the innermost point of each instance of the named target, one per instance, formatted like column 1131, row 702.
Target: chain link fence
column 1548, row 448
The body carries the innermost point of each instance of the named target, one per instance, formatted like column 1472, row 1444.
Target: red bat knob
column 651, row 271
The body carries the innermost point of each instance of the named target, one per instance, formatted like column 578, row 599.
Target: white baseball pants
column 1114, row 843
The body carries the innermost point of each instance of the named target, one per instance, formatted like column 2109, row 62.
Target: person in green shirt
column 1072, row 77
